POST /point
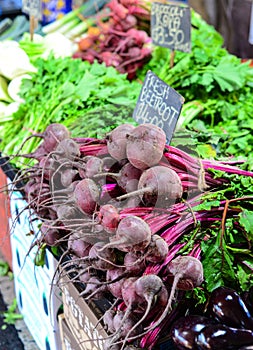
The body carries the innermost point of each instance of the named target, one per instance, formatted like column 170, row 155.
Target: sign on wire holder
column 158, row 104
column 33, row 9
column 171, row 27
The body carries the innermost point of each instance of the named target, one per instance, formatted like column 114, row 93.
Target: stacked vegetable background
column 217, row 87
column 87, row 89
column 153, row 228
column 148, row 226
column 119, row 41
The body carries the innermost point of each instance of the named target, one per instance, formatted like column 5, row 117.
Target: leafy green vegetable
column 217, row 88
column 40, row 256
column 63, row 91
column 246, row 220
column 218, row 265
column 245, row 276
column 100, row 120
column 4, row 96
column 197, row 294
column 226, row 244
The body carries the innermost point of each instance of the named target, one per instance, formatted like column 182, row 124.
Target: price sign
column 171, row 26
column 32, row 8
column 158, row 104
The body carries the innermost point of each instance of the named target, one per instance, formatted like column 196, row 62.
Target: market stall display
column 138, row 227
column 150, row 235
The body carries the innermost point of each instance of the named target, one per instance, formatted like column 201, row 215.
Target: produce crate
column 39, row 301
column 68, row 341
column 36, row 315
column 81, row 318
column 24, row 233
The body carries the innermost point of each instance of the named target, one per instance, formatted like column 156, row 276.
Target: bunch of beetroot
column 117, row 39
column 119, row 207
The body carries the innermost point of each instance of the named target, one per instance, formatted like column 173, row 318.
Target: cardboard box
column 81, row 317
column 68, row 341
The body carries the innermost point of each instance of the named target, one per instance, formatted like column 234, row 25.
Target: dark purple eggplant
column 185, row 329
column 219, row 336
column 228, row 308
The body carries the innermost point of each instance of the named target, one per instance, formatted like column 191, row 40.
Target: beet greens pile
column 144, row 224
column 217, row 89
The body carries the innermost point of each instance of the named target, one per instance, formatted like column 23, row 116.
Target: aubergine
column 219, row 336
column 185, row 329
column 227, row 307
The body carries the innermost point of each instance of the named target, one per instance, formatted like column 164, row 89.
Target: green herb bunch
column 65, row 90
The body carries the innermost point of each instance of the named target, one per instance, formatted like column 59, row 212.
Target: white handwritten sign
column 171, row 26
column 32, row 8
column 158, row 104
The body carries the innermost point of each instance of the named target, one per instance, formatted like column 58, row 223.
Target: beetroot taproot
column 145, row 146
column 117, row 140
column 158, row 186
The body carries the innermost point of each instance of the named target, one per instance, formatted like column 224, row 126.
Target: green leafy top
column 217, row 88
column 65, row 89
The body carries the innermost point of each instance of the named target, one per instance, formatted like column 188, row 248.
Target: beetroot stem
column 135, row 193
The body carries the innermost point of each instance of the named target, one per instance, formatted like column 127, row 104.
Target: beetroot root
column 78, row 246
column 157, row 250
column 117, row 140
column 115, row 278
column 86, row 194
column 188, row 274
column 158, row 186
column 145, row 146
column 132, row 234
column 53, row 134
column 149, row 288
column 109, row 217
column 129, row 177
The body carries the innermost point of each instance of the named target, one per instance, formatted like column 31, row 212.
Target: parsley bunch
column 64, row 90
